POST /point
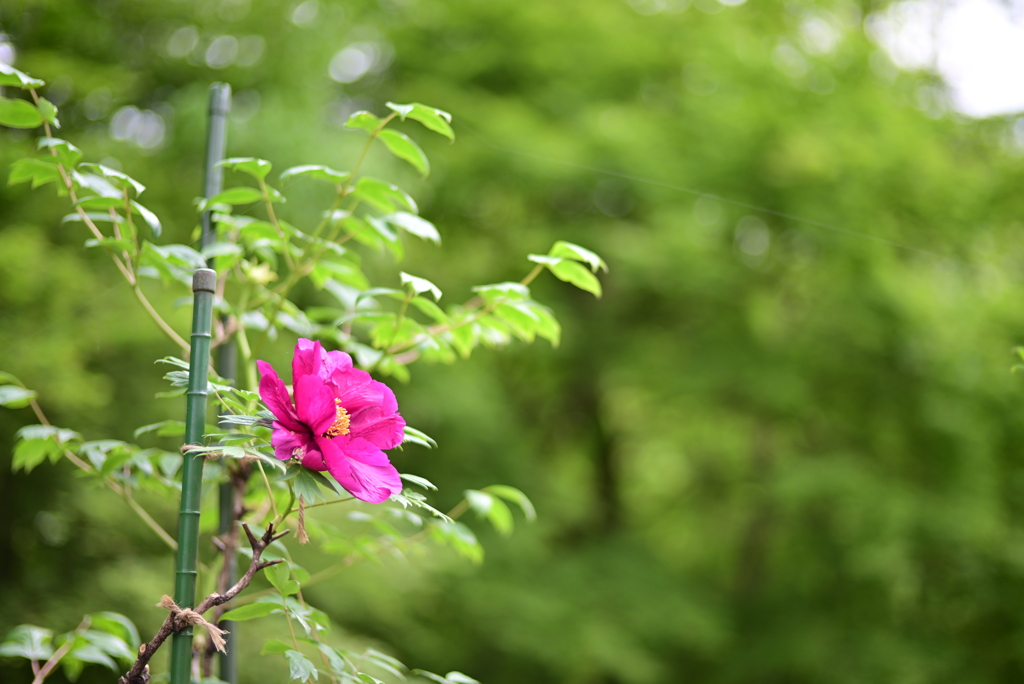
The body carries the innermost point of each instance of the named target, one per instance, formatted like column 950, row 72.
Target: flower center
column 340, row 424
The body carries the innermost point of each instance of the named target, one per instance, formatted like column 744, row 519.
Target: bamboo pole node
column 191, row 617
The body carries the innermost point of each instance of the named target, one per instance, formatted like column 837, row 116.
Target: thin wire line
column 726, row 200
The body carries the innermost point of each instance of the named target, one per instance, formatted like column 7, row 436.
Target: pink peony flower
column 341, row 420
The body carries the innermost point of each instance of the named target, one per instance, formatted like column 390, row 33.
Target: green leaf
column 233, row 196
column 19, row 114
column 419, row 481
column 251, row 611
column 420, row 285
column 257, row 168
column 573, row 272
column 39, row 442
column 323, row 173
column 434, row 119
column 273, row 646
column 149, row 217
column 118, row 625
column 48, row 111
column 403, row 147
column 337, row 663
column 492, row 508
column 515, row 496
column 460, row 538
column 13, row 396
column 216, row 249
column 300, row 667
column 280, row 576
column 385, row 197
column 459, row 678
column 89, row 653
column 165, row 428
column 110, row 644
column 418, row 437
column 502, row 291
column 100, row 203
column 67, row 153
column 571, row 251
column 38, row 171
column 28, row 641
column 569, row 271
column 430, row 308
column 122, row 181
column 364, row 121
column 9, row 76
column 411, row 223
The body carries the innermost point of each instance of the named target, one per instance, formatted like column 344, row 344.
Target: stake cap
column 204, row 280
column 220, row 98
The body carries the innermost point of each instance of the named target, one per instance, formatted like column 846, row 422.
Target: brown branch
column 139, row 674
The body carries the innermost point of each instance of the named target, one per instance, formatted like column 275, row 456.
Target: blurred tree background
column 777, row 450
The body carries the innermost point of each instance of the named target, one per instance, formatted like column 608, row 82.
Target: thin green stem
column 47, row 668
column 301, row 268
column 272, row 215
column 98, row 234
column 270, row 490
column 113, row 486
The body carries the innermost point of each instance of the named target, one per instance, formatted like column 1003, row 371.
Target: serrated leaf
column 403, row 147
column 19, row 114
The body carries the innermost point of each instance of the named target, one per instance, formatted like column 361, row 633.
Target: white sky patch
column 977, row 46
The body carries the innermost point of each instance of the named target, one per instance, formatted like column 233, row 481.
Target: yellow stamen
column 340, row 424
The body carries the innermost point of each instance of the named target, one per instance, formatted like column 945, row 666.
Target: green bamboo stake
column 213, row 182
column 204, row 281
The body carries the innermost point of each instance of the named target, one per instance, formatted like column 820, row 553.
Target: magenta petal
column 314, row 402
column 307, row 359
column 358, row 389
column 288, row 444
column 275, row 395
column 362, row 469
column 377, row 427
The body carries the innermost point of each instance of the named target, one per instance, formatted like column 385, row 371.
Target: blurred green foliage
column 777, row 450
